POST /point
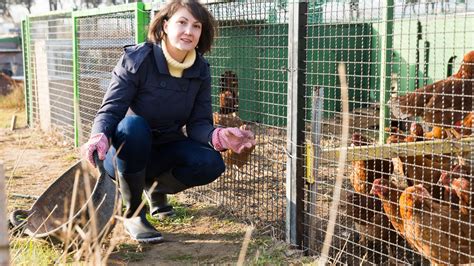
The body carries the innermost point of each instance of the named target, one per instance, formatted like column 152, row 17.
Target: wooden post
column 13, row 123
column 4, row 245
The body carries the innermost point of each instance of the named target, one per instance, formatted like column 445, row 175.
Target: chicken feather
column 440, row 233
column 443, row 103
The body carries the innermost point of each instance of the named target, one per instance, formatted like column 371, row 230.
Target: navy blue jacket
column 141, row 81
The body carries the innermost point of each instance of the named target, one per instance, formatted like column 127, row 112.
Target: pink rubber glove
column 232, row 138
column 97, row 142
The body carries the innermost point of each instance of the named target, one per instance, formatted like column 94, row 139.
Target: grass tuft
column 183, row 216
column 15, row 99
column 130, row 252
column 13, row 104
column 26, row 251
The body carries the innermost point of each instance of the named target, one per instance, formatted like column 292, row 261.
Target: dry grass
column 6, row 115
column 13, row 104
column 15, row 99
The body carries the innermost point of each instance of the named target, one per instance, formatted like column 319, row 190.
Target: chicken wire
column 100, row 41
column 249, row 63
column 389, row 49
column 50, row 62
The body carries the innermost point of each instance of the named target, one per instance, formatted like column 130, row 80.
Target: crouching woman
column 157, row 88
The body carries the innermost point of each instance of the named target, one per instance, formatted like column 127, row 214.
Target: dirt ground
column 32, row 160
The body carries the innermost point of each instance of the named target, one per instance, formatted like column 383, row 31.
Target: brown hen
column 459, row 180
column 365, row 172
column 423, row 169
column 228, row 97
column 427, row 172
column 464, row 127
column 389, row 193
column 230, row 120
column 395, row 135
column 443, row 103
column 239, row 159
column 440, row 233
column 370, row 221
column 448, row 194
column 231, row 157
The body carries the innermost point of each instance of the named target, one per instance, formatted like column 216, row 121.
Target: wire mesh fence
column 50, row 48
column 409, row 151
column 101, row 39
column 406, row 193
column 249, row 73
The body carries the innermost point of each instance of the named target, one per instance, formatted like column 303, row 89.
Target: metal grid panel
column 100, row 44
column 37, row 33
column 388, row 51
column 250, row 58
column 60, row 74
column 51, row 69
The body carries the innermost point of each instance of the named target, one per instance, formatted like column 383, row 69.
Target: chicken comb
column 469, row 57
column 461, row 183
column 359, row 140
column 444, row 179
column 467, row 67
column 416, row 129
column 376, row 187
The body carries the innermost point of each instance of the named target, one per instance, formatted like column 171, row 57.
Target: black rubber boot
column 157, row 199
column 135, row 223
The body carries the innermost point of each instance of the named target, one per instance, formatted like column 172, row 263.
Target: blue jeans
column 191, row 162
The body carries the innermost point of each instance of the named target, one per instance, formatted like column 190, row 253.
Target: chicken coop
column 362, row 112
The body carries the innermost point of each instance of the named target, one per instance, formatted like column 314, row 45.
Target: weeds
column 130, row 252
column 26, row 251
column 14, row 100
column 6, row 117
column 182, row 258
column 183, row 216
column 13, row 104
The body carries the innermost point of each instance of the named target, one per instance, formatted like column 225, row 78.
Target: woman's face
column 183, row 32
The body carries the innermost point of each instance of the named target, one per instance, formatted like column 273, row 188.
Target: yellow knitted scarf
column 176, row 68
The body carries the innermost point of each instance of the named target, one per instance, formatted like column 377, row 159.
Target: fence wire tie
column 288, row 153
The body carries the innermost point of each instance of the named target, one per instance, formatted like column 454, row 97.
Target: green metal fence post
column 386, row 33
column 140, row 23
column 75, row 79
column 25, row 32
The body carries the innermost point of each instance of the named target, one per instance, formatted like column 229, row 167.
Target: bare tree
column 4, row 5
column 53, row 5
column 354, row 8
column 410, row 3
column 91, row 3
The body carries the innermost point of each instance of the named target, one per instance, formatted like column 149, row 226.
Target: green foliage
column 183, row 216
column 25, row 251
column 182, row 258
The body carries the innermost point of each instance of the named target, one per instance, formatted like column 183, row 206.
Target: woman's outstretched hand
column 97, row 142
column 236, row 139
